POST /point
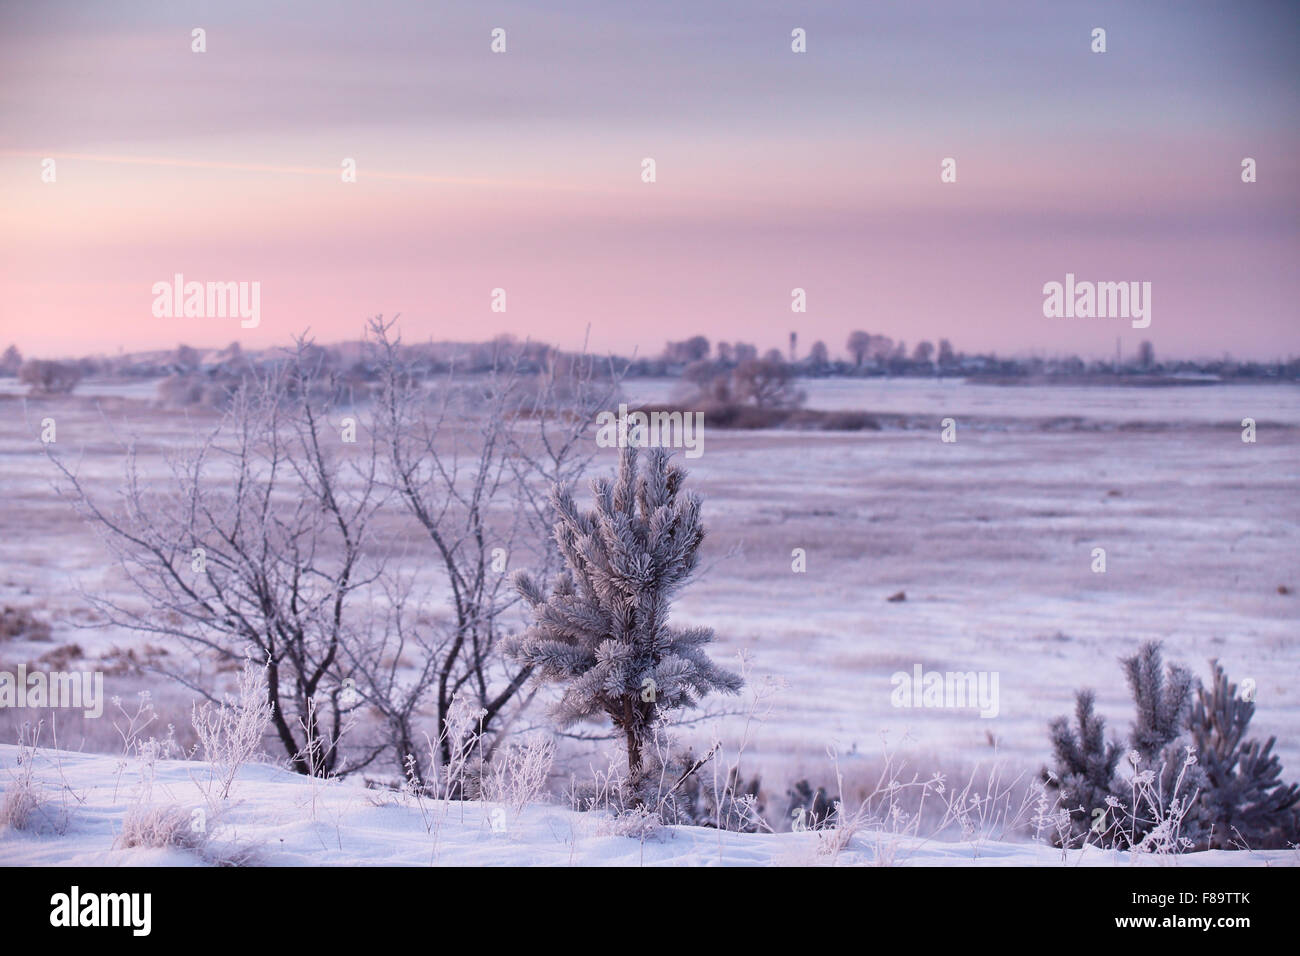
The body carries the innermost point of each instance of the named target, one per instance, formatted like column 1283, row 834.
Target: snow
column 1199, row 404
column 990, row 539
column 284, row 819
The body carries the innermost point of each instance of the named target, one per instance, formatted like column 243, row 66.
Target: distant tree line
column 870, row 354
column 725, row 372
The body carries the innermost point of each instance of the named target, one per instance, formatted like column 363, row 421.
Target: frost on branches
column 603, row 632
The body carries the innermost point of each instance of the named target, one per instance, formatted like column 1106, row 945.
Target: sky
column 775, row 170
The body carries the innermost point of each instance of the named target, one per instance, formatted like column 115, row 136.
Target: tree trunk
column 631, row 731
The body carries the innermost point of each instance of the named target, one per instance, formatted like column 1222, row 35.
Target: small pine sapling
column 1244, row 799
column 603, row 632
column 1162, row 705
column 1197, row 782
column 1084, row 772
column 1162, row 698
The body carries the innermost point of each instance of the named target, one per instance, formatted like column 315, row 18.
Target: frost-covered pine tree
column 1162, row 703
column 1244, row 798
column 603, row 632
column 1084, row 773
column 1219, row 789
column 1162, row 698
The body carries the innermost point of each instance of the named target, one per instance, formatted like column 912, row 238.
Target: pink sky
column 521, row 171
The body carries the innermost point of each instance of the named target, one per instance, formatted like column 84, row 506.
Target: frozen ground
column 276, row 818
column 990, row 539
column 1203, row 404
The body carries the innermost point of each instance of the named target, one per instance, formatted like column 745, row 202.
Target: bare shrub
column 130, row 725
column 242, row 853
column 196, row 389
column 274, row 534
column 453, row 777
column 17, row 622
column 252, row 548
column 159, row 827
column 27, row 806
column 767, row 383
column 59, row 658
column 49, row 378
column 11, row 361
column 1158, row 816
column 230, row 733
column 471, row 462
column 637, row 823
column 518, row 772
column 172, row 826
column 892, row 809
column 24, row 808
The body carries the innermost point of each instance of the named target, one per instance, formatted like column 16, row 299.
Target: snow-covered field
column 1203, row 404
column 276, row 818
column 990, row 539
